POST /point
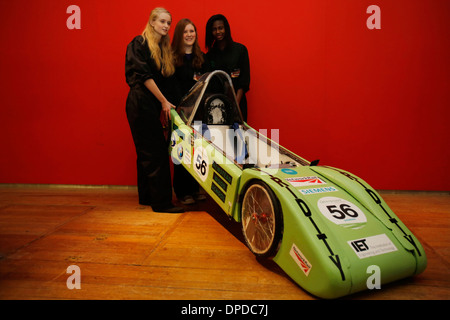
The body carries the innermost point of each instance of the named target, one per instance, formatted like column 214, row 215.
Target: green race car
column 326, row 228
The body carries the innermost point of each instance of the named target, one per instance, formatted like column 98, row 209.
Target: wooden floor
column 126, row 251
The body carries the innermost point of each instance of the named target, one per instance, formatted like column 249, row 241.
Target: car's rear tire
column 261, row 219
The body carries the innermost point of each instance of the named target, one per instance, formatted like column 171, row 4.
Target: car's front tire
column 261, row 219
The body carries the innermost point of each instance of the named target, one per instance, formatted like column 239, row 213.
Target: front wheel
column 261, row 219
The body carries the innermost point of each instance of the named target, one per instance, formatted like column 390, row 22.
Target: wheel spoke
column 258, row 220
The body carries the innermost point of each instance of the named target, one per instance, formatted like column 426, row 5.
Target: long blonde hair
column 161, row 51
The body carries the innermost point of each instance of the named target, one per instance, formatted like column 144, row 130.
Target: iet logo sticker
column 372, row 246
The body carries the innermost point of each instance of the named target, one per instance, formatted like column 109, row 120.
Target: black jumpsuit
column 233, row 60
column 183, row 183
column 143, row 112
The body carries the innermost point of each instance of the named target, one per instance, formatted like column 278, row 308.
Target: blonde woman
column 149, row 70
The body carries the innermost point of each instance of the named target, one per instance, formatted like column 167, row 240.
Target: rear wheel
column 261, row 219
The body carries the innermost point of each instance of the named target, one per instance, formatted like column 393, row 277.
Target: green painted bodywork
column 321, row 253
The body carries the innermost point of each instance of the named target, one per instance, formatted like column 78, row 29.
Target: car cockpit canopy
column 212, row 101
column 211, row 109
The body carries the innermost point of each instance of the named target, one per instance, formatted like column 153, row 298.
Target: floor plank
column 127, row 251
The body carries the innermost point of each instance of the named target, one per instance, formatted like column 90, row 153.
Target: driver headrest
column 217, row 109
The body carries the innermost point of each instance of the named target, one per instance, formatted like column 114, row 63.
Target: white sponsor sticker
column 305, row 181
column 187, row 157
column 372, row 246
column 201, row 162
column 341, row 211
column 300, row 259
column 318, row 190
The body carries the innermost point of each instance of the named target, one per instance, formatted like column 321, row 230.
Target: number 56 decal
column 201, row 163
column 340, row 211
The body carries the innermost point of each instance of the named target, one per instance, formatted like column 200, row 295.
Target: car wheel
column 261, row 219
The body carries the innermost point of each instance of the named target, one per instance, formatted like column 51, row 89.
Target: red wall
column 373, row 102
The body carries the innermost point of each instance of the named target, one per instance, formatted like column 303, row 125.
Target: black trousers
column 153, row 167
column 183, row 183
column 243, row 107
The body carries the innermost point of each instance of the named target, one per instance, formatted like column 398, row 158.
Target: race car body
column 326, row 228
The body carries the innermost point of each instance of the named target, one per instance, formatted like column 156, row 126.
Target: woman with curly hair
column 232, row 57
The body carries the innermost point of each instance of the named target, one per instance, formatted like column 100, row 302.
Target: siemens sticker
column 318, row 190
